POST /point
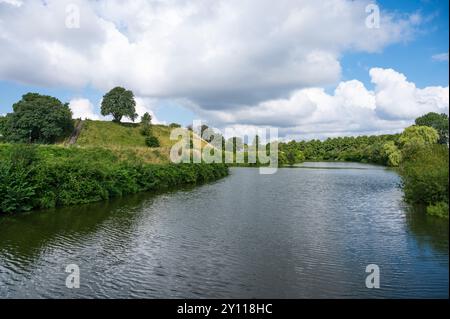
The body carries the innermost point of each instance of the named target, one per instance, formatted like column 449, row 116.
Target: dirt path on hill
column 76, row 133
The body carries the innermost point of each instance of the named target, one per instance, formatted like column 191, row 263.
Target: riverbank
column 35, row 177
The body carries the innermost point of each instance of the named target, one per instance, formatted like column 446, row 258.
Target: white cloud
column 351, row 110
column 83, row 108
column 146, row 105
column 441, row 57
column 235, row 63
column 397, row 98
column 218, row 54
column 16, row 3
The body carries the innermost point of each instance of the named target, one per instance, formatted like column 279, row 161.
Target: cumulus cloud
column 83, row 109
column 16, row 3
column 146, row 105
column 230, row 61
column 397, row 98
column 219, row 54
column 351, row 109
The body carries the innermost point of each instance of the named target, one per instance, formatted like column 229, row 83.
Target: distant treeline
column 365, row 149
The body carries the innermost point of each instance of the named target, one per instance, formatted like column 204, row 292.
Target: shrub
column 152, row 141
column 439, row 209
column 146, row 124
column 16, row 187
column 425, row 175
column 50, row 176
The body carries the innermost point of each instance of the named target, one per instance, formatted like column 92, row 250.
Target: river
column 306, row 232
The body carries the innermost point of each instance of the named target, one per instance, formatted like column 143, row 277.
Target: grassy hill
column 126, row 140
column 110, row 134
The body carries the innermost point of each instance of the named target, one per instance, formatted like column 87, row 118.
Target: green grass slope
column 110, row 134
column 126, row 140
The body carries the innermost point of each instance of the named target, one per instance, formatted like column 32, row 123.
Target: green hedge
column 45, row 177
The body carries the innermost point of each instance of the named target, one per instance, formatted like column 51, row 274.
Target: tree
column 293, row 156
column 146, row 122
column 119, row 102
column 393, row 154
column 37, row 119
column 152, row 141
column 416, row 136
column 437, row 121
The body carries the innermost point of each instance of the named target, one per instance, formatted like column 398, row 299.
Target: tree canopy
column 119, row 102
column 437, row 121
column 37, row 119
column 418, row 136
column 291, row 154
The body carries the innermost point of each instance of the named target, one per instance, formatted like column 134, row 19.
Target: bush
column 152, row 141
column 46, row 177
column 16, row 188
column 146, row 124
column 425, row 175
column 439, row 210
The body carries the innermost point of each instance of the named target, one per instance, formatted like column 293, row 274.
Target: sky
column 311, row 69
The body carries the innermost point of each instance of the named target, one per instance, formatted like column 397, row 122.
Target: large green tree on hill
column 119, row 102
column 37, row 119
column 437, row 121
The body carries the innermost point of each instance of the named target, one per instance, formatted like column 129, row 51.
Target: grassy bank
column 33, row 177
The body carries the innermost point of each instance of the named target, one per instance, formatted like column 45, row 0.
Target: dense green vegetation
column 152, row 141
column 425, row 178
column 50, row 176
column 437, row 121
column 365, row 149
column 37, row 119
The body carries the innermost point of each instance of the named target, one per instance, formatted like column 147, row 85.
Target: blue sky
column 412, row 57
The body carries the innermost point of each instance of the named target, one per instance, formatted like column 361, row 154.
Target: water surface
column 301, row 233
